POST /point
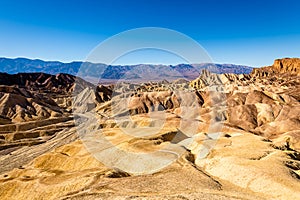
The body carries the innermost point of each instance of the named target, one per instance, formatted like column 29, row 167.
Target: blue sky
column 241, row 32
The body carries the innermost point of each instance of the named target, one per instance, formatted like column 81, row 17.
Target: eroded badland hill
column 64, row 138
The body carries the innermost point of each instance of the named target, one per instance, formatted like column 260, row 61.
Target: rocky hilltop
column 219, row 136
column 59, row 83
column 285, row 66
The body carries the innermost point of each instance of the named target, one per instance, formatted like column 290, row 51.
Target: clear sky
column 252, row 32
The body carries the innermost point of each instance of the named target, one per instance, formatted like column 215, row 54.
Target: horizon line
column 124, row 64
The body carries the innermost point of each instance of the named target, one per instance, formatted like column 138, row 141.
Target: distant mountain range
column 116, row 72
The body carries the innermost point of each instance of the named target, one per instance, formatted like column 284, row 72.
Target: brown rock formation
column 285, row 66
column 250, row 125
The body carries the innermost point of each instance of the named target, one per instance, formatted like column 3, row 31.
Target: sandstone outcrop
column 285, row 66
column 226, row 136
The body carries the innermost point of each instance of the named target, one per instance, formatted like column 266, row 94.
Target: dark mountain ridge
column 113, row 72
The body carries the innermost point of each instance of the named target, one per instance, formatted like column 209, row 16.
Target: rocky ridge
column 113, row 73
column 255, row 117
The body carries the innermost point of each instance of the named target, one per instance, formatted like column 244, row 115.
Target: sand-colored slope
column 248, row 123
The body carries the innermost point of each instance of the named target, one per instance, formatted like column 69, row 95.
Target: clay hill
column 219, row 136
